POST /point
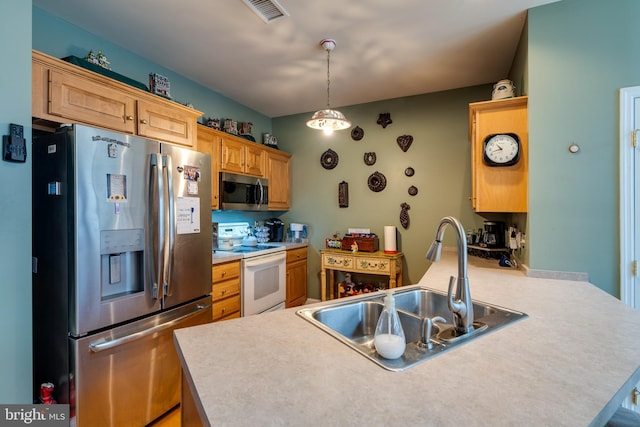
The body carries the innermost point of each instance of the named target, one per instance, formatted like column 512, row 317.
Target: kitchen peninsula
column 570, row 363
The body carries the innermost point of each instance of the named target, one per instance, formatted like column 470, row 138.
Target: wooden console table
column 378, row 263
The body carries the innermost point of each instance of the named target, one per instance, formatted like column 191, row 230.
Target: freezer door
column 188, row 233
column 110, row 183
column 130, row 375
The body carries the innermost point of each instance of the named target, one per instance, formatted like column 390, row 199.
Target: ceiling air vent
column 267, row 10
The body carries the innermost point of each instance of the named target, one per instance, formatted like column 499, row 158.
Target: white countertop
column 219, row 257
column 570, row 363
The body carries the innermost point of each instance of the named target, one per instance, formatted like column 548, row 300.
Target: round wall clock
column 502, row 149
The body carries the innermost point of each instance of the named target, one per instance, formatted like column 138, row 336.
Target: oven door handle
column 105, row 344
column 260, row 261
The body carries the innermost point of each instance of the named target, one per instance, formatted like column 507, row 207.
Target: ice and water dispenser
column 122, row 262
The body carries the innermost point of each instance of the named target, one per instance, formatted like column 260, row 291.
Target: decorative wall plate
column 405, row 141
column 384, row 119
column 329, row 159
column 409, row 171
column 413, row 190
column 357, row 133
column 377, row 182
column 369, row 158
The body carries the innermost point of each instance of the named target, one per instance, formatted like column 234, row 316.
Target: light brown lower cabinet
column 225, row 290
column 296, row 277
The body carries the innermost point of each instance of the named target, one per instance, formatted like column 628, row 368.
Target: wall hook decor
column 405, row 141
column 404, row 215
column 384, row 119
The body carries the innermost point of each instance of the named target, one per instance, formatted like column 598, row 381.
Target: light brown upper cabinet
column 243, row 157
column 499, row 180
column 63, row 92
column 230, row 153
column 278, row 175
column 209, row 142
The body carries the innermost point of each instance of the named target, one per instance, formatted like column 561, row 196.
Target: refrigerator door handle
column 155, row 204
column 106, row 344
column 172, row 226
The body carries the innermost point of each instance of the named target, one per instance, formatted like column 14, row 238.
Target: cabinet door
column 209, row 142
column 158, row 121
column 254, row 160
column 78, row 99
column 296, row 283
column 278, row 175
column 232, row 155
column 503, row 188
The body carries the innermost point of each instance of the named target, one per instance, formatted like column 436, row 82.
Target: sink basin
column 354, row 322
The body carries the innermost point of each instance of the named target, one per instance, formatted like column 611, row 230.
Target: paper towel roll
column 390, row 239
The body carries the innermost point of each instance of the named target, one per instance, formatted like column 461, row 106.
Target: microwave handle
column 261, row 198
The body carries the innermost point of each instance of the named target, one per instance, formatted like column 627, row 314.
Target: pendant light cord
column 328, row 79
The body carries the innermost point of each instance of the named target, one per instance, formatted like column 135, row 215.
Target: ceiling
column 385, row 49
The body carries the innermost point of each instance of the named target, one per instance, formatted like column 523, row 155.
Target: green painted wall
column 59, row 38
column 15, row 207
column 439, row 154
column 580, row 54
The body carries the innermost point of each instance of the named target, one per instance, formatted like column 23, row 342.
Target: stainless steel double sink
column 354, row 321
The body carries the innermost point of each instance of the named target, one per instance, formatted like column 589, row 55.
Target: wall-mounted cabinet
column 230, row 153
column 63, row 92
column 499, row 182
column 238, row 156
column 278, row 164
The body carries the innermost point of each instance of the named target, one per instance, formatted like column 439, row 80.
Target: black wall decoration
column 377, row 182
column 404, row 141
column 404, row 215
column 329, row 159
column 369, row 158
column 343, row 194
column 384, row 119
column 357, row 133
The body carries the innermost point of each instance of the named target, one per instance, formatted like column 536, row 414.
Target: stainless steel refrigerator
column 121, row 258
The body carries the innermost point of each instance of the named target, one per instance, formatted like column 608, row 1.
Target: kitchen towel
column 390, row 239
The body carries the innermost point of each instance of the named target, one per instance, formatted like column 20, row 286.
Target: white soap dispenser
column 389, row 337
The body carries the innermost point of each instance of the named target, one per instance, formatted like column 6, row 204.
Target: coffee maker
column 493, row 236
column 276, row 229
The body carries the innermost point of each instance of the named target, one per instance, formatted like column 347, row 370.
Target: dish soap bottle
column 389, row 337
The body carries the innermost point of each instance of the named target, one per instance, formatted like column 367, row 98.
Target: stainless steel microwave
column 243, row 193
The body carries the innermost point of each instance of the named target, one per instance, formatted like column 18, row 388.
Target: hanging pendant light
column 328, row 120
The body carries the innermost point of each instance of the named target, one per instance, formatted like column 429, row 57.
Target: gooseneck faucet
column 460, row 305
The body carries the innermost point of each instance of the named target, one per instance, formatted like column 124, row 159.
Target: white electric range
column 263, row 275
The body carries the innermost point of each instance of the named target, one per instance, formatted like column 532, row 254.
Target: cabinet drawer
column 225, row 289
column 296, row 254
column 226, row 307
column 333, row 261
column 373, row 264
column 225, row 271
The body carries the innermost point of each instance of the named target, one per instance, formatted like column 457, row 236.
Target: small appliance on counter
column 493, row 236
column 298, row 232
column 276, row 229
